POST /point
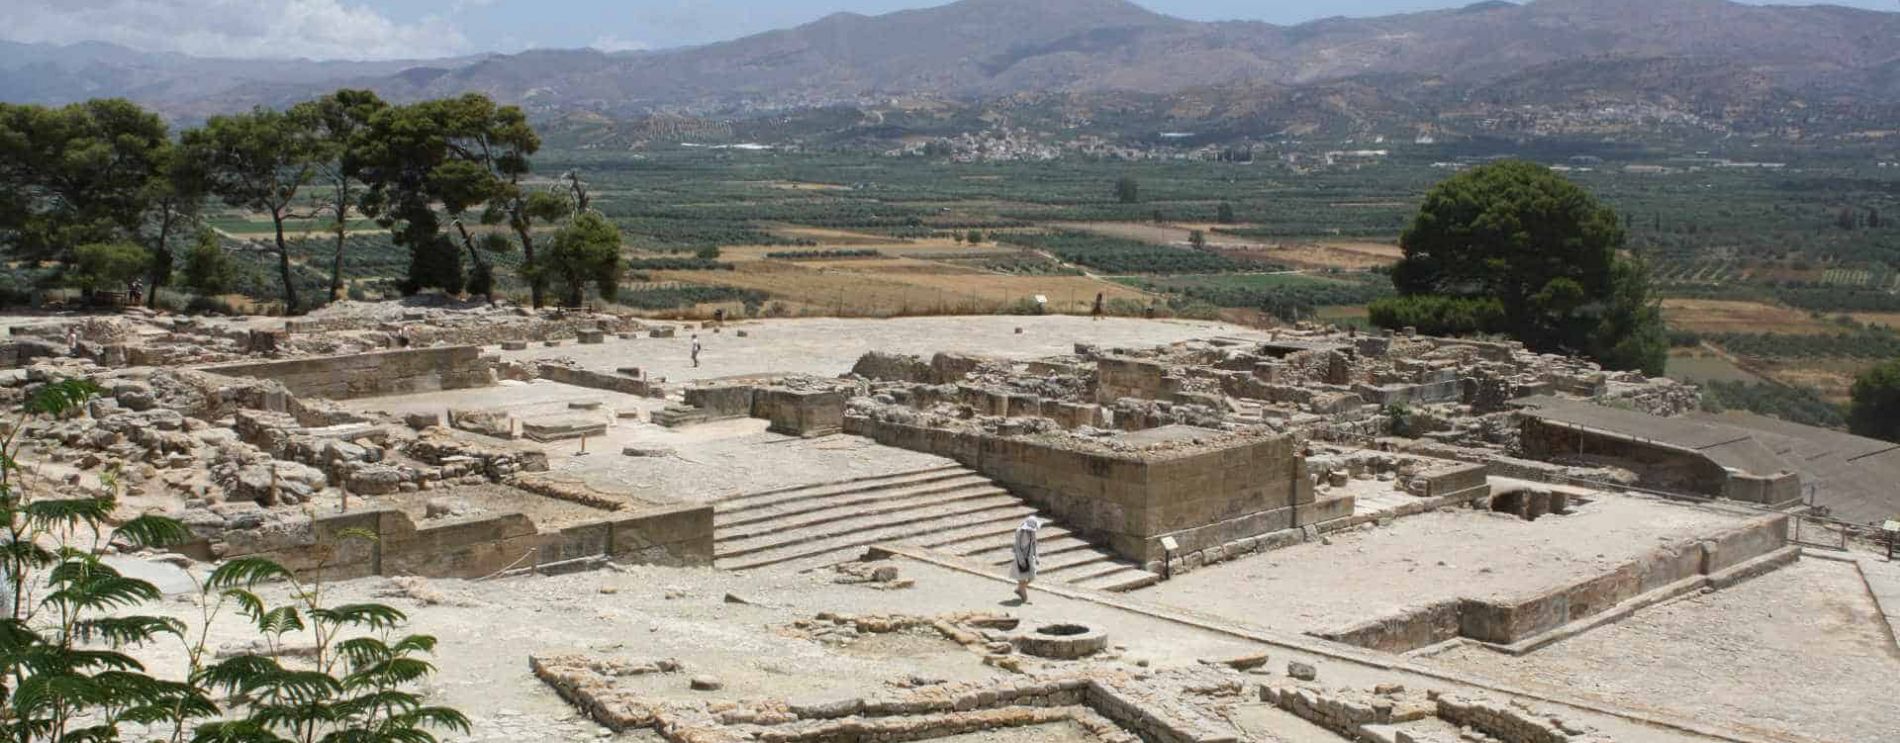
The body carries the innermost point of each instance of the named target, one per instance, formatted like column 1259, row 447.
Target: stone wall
column 1116, row 378
column 800, row 412
column 722, row 400
column 1660, row 466
column 1201, row 496
column 1504, row 620
column 477, row 547
column 372, row 374
column 621, row 383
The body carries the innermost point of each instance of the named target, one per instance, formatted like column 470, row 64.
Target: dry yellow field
column 1346, row 256
column 933, row 248
column 1889, row 319
column 1731, row 316
column 893, row 286
column 1159, row 234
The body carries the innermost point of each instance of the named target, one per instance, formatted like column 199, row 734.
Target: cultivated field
column 1731, row 316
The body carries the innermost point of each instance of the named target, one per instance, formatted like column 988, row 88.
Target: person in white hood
column 1023, row 567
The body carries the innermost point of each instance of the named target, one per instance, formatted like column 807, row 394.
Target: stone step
column 765, row 498
column 964, row 543
column 807, row 504
column 867, row 511
column 763, row 552
column 1094, row 571
column 1127, row 579
column 1075, row 562
column 1004, row 551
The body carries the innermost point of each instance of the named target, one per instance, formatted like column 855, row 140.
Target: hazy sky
column 382, row 29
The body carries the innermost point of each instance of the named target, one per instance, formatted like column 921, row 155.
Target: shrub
column 1438, row 315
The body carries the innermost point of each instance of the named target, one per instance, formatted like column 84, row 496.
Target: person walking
column 1023, row 567
column 695, row 350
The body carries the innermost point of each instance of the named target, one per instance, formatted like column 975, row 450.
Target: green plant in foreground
column 65, row 672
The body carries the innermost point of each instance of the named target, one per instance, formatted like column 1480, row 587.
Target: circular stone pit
column 1062, row 641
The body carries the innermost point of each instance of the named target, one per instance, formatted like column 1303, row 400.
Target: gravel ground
column 711, row 460
column 486, row 501
column 488, row 630
column 829, row 346
column 1800, row 651
column 1431, row 557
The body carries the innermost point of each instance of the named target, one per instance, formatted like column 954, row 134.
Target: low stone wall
column 1203, row 497
column 620, row 383
column 1661, row 466
column 372, row 374
column 1410, row 394
column 477, row 547
column 1506, row 620
column 722, row 400
column 1354, row 714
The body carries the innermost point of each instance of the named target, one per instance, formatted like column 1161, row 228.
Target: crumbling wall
column 477, row 547
column 372, row 374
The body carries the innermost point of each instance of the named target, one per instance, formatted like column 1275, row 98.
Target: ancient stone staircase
column 950, row 509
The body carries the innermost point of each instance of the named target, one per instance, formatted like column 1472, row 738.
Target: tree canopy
column 261, row 161
column 1547, row 251
column 1875, row 411
column 585, row 252
column 76, row 174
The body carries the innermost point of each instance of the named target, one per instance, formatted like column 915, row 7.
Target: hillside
column 1712, row 53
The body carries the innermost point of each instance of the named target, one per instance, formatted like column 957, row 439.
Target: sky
column 409, row 29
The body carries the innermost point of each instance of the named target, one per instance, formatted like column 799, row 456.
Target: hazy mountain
column 48, row 73
column 1706, row 52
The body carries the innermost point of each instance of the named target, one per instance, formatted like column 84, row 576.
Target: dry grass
column 1833, row 378
column 1732, row 316
column 932, row 248
column 1888, row 319
column 1346, row 256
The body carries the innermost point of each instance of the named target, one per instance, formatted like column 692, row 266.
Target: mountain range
column 1712, row 55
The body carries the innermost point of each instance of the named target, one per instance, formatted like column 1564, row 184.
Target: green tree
column 708, row 253
column 1224, row 214
column 174, row 198
column 341, row 118
column 975, row 237
column 1127, row 190
column 99, row 266
column 1198, row 239
column 1875, row 410
column 468, row 155
column 75, row 175
column 261, row 161
column 585, row 251
column 208, row 271
column 1547, row 252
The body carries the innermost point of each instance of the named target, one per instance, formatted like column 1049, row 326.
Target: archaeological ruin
column 1298, row 534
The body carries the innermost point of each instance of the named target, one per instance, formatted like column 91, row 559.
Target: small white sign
column 1168, row 543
